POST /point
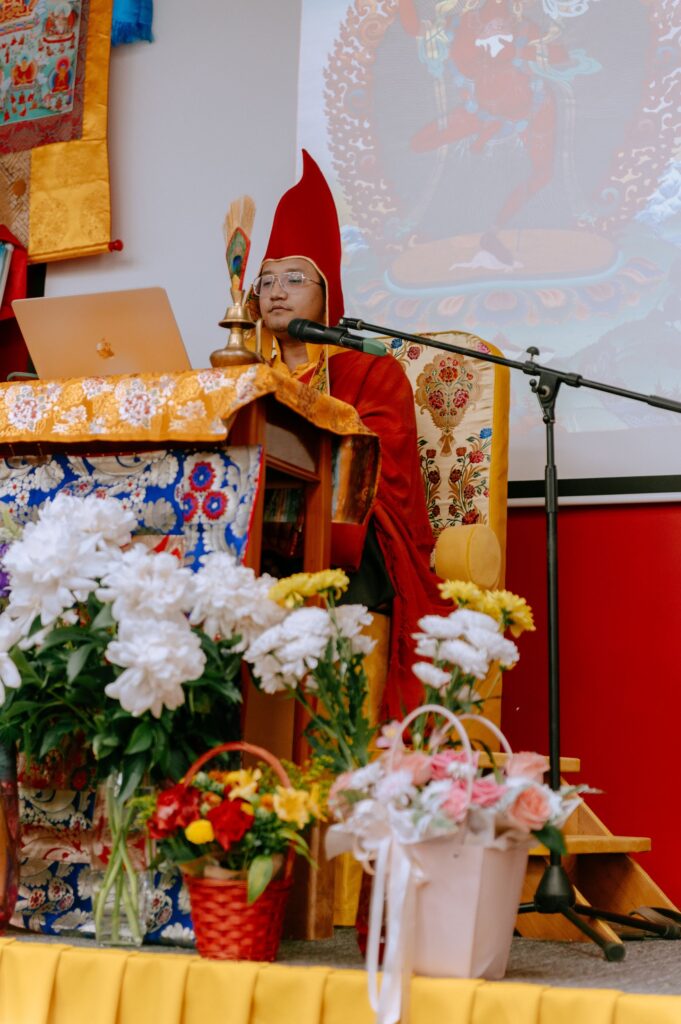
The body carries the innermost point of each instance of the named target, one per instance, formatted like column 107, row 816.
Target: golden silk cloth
column 160, row 407
column 46, row 983
column 54, row 166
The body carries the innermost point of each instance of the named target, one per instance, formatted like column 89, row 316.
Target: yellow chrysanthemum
column 242, row 783
column 462, row 593
column 511, row 611
column 315, row 803
column 200, row 831
column 292, row 805
column 292, row 591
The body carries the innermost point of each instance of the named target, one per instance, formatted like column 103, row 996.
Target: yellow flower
column 462, row 593
column 242, row 783
column 292, row 805
column 200, row 831
column 315, row 803
column 292, row 591
column 511, row 611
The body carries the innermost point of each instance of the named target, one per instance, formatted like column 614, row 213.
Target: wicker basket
column 227, row 927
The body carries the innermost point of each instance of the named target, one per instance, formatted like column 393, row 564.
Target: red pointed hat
column 306, row 224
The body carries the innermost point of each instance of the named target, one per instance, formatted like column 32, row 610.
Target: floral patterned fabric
column 55, row 895
column 205, row 497
column 462, row 419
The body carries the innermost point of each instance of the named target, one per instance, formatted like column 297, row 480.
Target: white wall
column 204, row 114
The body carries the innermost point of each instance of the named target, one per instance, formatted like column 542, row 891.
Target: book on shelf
column 6, row 250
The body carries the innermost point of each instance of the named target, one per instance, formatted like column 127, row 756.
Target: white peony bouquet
column 109, row 640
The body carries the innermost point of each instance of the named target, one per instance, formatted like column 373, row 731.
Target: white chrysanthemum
column 351, row 619
column 302, row 654
column 304, row 621
column 230, row 600
column 51, row 568
column 396, row 786
column 431, row 675
column 470, row 660
column 365, row 777
column 104, row 518
column 283, row 655
column 146, row 583
column 10, row 632
column 468, row 639
column 158, row 657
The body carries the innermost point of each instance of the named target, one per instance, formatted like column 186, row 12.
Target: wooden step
column 580, row 844
column 567, row 764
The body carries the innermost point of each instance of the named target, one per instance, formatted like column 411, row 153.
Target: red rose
column 229, row 822
column 430, row 453
column 469, row 492
column 460, row 452
column 471, row 516
column 175, row 808
column 413, row 352
column 434, row 477
column 455, row 476
column 460, row 399
column 477, row 456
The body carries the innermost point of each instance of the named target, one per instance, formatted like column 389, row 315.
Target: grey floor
column 650, row 966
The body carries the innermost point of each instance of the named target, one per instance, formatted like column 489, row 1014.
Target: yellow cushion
column 471, row 553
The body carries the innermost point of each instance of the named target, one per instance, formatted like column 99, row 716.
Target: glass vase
column 121, row 880
column 9, row 836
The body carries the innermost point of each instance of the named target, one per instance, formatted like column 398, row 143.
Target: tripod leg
column 612, row 950
column 663, row 931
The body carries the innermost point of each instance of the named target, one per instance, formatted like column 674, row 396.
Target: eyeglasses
column 289, row 280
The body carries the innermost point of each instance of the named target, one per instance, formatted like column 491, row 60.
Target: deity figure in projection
column 492, row 64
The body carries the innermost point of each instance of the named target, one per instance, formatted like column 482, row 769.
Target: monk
column 388, row 559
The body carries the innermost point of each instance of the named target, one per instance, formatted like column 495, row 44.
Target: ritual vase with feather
column 237, row 228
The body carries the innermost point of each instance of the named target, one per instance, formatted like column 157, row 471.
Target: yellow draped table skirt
column 50, row 983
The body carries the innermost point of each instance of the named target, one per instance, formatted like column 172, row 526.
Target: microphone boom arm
column 550, row 379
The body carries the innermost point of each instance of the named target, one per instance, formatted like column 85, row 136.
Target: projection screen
column 512, row 168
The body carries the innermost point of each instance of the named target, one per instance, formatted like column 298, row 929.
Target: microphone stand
column 555, row 893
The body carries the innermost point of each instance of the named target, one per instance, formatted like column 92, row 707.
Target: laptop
column 102, row 334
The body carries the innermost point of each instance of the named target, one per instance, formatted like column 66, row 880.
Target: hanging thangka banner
column 54, row 172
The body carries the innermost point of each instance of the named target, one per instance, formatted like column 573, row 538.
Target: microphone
column 318, row 334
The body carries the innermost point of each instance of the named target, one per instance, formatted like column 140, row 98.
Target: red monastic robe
column 382, row 395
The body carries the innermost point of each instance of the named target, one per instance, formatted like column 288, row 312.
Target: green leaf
column 141, row 739
column 133, row 770
column 259, row 876
column 552, row 838
column 28, row 673
column 53, row 735
column 103, row 619
column 103, row 743
column 76, row 661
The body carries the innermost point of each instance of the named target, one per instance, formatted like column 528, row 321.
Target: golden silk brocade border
column 45, row 983
column 69, row 200
column 190, row 407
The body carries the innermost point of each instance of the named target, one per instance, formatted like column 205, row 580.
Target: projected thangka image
column 512, row 168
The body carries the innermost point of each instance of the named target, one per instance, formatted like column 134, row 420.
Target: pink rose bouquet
column 418, row 795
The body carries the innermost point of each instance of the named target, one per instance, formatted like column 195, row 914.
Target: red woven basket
column 226, row 926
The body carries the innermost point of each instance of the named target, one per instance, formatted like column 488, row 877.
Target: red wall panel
column 619, row 580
